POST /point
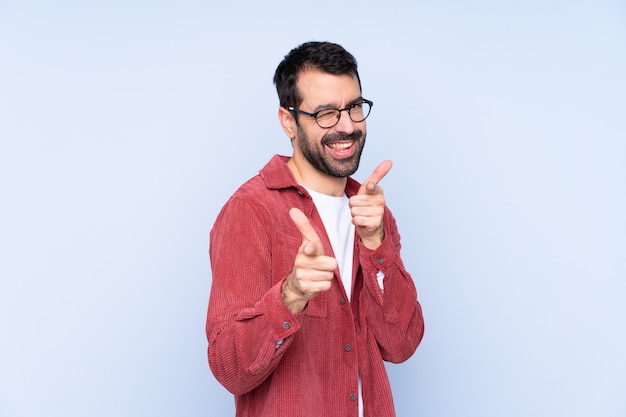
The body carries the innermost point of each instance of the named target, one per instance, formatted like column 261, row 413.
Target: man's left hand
column 367, row 208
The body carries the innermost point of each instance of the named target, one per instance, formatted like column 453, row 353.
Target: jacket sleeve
column 248, row 326
column 393, row 315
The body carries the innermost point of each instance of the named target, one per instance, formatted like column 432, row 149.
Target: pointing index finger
column 304, row 226
column 381, row 170
column 379, row 173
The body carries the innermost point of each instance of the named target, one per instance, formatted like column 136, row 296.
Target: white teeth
column 340, row 145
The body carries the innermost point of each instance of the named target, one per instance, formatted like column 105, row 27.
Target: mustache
column 342, row 137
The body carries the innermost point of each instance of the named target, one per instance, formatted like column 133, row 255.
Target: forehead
column 318, row 88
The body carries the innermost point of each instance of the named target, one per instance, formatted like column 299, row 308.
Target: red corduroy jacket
column 278, row 364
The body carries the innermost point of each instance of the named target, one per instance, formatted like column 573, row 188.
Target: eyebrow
column 332, row 106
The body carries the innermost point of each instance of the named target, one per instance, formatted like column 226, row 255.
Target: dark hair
column 327, row 57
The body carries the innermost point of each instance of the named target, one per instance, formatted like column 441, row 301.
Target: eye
column 327, row 114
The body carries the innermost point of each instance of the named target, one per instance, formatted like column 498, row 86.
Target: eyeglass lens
column 329, row 118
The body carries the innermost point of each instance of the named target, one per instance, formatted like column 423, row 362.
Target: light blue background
column 125, row 125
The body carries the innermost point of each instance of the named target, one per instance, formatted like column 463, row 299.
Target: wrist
column 294, row 303
column 373, row 242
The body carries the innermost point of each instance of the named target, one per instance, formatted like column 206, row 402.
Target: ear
column 287, row 122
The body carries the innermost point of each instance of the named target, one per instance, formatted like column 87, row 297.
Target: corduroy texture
column 314, row 371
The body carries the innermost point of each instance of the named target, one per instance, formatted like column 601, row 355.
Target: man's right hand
column 312, row 271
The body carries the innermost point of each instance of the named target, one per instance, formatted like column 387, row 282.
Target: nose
column 345, row 124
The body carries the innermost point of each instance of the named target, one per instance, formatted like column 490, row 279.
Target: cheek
column 309, row 138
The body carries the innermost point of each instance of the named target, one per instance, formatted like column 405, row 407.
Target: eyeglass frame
column 347, row 109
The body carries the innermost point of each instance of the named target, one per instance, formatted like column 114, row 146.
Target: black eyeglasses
column 328, row 118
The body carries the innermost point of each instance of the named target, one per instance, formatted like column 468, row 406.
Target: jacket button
column 286, row 325
column 352, row 397
column 348, row 348
column 380, row 261
column 342, row 300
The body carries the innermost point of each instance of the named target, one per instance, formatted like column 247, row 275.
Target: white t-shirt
column 337, row 219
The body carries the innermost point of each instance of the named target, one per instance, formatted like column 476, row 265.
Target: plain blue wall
column 125, row 126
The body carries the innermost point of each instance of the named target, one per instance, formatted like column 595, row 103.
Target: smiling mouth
column 342, row 150
column 339, row 145
column 343, row 146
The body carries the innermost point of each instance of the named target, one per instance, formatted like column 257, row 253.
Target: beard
column 317, row 156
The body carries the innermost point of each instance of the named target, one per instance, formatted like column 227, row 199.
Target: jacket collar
column 277, row 175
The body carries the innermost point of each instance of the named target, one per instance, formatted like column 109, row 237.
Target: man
column 309, row 293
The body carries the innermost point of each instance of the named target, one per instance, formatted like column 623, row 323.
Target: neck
column 316, row 180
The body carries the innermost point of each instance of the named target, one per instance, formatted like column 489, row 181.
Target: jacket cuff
column 282, row 321
column 379, row 259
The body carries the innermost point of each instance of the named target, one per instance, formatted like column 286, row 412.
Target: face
column 336, row 151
